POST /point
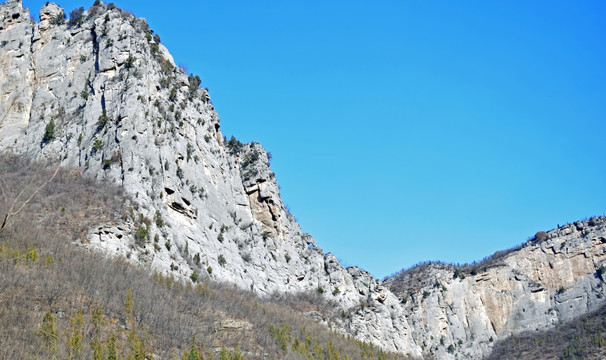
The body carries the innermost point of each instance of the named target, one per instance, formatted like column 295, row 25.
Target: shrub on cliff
column 58, row 19
column 49, row 132
column 76, row 17
column 540, row 236
column 102, row 121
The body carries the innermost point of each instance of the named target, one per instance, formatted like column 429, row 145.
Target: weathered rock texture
column 101, row 94
column 550, row 279
column 123, row 112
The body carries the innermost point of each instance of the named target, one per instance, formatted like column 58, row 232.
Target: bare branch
column 11, row 214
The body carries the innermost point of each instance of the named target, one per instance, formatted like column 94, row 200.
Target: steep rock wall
column 123, row 112
column 545, row 282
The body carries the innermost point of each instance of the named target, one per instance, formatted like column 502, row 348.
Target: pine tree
column 137, row 348
column 49, row 132
column 128, row 308
column 111, row 349
column 97, row 349
column 48, row 331
column 223, row 355
column 74, row 336
column 192, row 353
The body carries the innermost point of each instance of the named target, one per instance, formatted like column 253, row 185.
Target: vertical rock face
column 121, row 111
column 15, row 71
column 101, row 94
column 550, row 279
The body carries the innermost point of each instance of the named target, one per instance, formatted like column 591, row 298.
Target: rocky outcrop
column 549, row 280
column 101, row 94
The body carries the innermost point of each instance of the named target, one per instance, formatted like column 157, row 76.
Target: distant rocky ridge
column 99, row 93
column 553, row 278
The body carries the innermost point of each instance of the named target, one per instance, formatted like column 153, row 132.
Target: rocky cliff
column 99, row 93
column 551, row 279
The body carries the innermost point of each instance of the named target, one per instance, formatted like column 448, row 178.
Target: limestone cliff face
column 101, row 94
column 123, row 112
column 547, row 281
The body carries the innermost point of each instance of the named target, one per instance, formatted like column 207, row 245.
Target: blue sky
column 404, row 131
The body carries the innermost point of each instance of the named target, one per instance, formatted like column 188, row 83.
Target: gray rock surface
column 535, row 287
column 123, row 112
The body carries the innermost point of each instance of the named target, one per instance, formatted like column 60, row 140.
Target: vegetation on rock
column 59, row 300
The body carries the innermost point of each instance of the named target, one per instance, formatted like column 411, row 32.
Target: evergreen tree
column 49, row 132
column 192, row 353
column 48, row 331
column 111, row 349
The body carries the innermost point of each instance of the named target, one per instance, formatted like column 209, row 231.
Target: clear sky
column 404, row 131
